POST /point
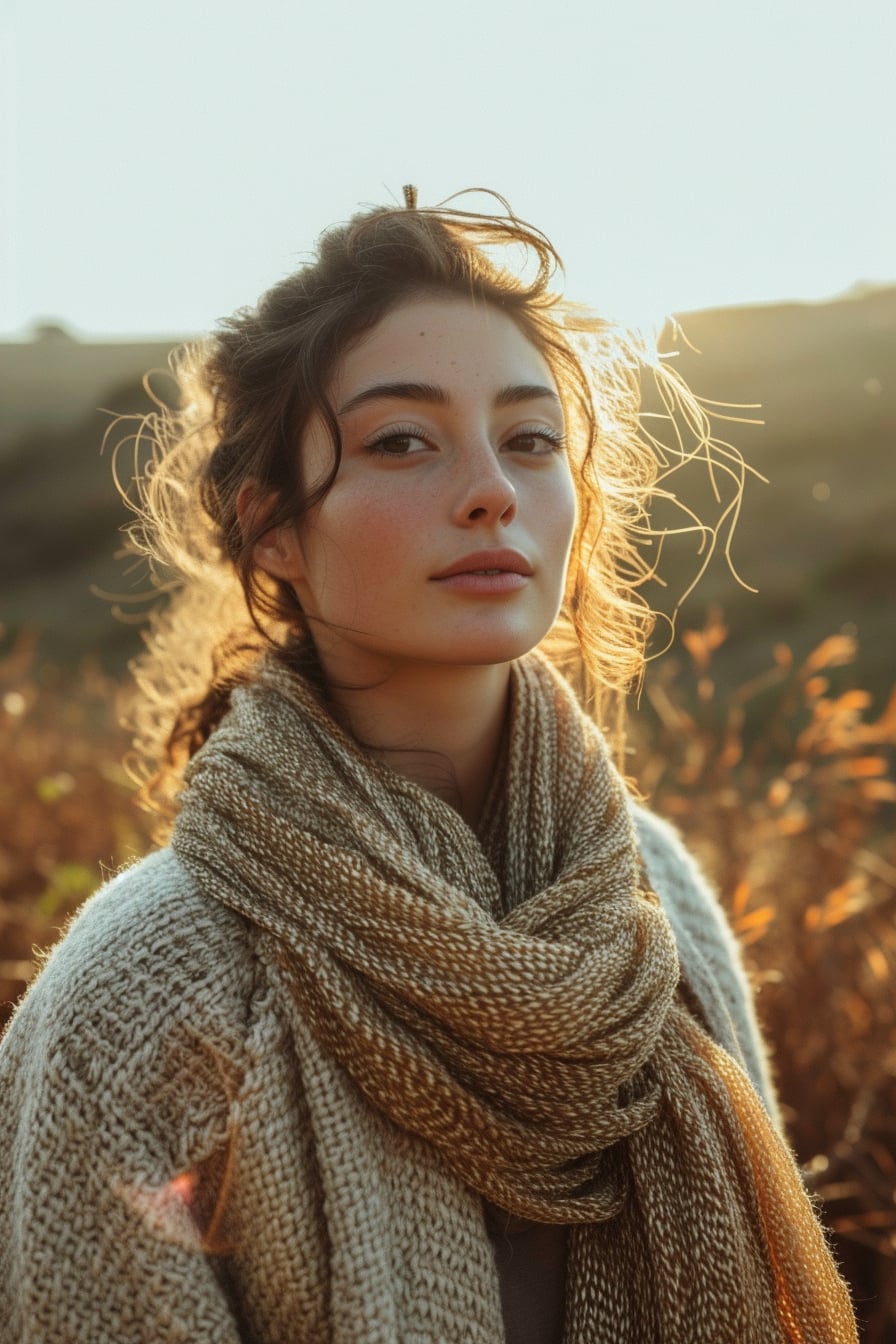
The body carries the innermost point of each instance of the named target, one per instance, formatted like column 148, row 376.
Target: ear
column 276, row 551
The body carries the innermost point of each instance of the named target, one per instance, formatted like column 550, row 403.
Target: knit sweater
column 156, row 1079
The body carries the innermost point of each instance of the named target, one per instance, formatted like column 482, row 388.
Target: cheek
column 564, row 513
column 357, row 536
column 564, row 519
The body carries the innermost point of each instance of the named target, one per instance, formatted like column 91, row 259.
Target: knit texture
column 182, row 1159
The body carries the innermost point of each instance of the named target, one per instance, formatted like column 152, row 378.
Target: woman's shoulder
column 680, row 882
column 123, row 1073
column 690, row 901
column 146, row 957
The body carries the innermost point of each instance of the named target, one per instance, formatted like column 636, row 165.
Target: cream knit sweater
column 154, row 1060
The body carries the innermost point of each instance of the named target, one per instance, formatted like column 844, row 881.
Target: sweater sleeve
column 118, row 1077
column 708, row 951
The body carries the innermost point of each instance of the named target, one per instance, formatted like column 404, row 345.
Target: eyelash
column 554, row 437
column 376, row 444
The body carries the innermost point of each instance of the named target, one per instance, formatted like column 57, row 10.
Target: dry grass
column 784, row 790
column 67, row 814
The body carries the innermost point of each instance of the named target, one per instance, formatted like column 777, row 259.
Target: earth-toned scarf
column 545, row 1052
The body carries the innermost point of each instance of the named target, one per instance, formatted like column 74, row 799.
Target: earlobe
column 276, row 551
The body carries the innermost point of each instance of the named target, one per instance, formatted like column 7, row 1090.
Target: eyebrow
column 508, row 396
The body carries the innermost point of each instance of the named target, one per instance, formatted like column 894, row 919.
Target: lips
column 488, row 562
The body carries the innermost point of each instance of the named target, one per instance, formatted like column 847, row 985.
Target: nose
column 485, row 493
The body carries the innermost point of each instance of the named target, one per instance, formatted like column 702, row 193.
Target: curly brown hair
column 245, row 397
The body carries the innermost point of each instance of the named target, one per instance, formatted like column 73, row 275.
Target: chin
column 491, row 650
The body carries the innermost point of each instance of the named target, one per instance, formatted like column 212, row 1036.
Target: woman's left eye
column 542, row 440
column 398, row 443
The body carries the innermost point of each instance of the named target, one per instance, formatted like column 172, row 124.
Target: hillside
column 819, row 541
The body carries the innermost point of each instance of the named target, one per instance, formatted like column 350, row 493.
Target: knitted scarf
column 513, row 1000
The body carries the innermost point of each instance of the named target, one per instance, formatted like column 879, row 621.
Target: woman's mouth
column 489, row 563
column 485, row 582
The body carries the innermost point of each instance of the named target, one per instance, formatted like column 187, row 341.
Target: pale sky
column 164, row 162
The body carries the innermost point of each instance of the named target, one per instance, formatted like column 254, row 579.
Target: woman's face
column 445, row 537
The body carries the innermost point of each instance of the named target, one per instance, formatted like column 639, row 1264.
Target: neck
column 440, row 727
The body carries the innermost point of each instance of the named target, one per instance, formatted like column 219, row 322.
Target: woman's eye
column 397, row 443
column 537, row 441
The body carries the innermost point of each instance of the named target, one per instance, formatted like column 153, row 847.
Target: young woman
column 419, row 1029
